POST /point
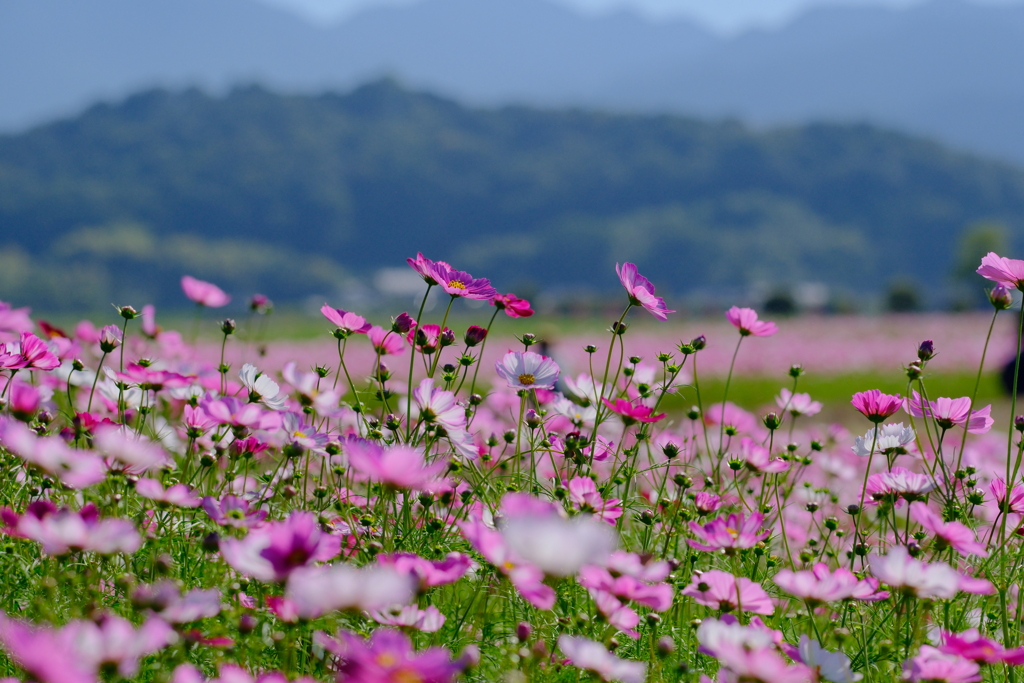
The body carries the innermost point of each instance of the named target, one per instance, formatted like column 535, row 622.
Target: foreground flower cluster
column 428, row 519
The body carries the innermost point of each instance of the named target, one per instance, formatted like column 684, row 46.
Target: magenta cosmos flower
column 641, row 291
column 204, row 293
column 745, row 320
column 947, row 534
column 513, row 306
column 346, row 322
column 275, row 550
column 931, row 664
column 527, row 370
column 731, row 533
column 424, row 267
column 399, row 467
column 1006, row 271
column 876, row 406
column 462, row 284
column 818, row 585
column 630, row 413
column 388, row 657
column 31, row 353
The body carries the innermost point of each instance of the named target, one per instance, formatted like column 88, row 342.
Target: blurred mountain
column 947, row 68
column 297, row 195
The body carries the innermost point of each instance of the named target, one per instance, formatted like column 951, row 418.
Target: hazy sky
column 726, row 16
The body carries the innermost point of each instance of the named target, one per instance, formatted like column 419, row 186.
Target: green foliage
column 248, row 188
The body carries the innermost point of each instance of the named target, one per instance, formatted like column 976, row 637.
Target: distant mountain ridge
column 298, row 195
column 948, row 68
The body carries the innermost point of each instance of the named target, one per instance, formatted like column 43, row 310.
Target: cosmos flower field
column 414, row 507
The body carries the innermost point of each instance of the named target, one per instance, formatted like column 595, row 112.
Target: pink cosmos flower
column 757, row 458
column 513, row 306
column 706, row 502
column 937, row 580
column 527, row 370
column 228, row 410
column 424, row 267
column 314, row 591
column 557, row 546
column 947, row 534
column 230, row 673
column 1005, row 271
column 178, row 494
column 14, row 319
column 388, row 657
column 84, row 647
column 826, row 665
column 273, row 551
column 657, row 596
column 135, row 452
column 61, row 531
column 593, row 656
column 348, row 323
column 400, row 467
column 429, row 620
column 31, row 353
column 641, row 291
column 428, row 573
column 765, row 665
column 876, row 406
column 204, row 293
column 745, row 320
column 1014, row 502
column 818, row 585
column 386, row 342
column 644, row 568
column 730, row 534
column 899, row 483
column 718, row 590
column 948, row 412
column 584, row 496
column 630, row 413
column 970, row 644
column 166, row 599
column 931, row 664
column 461, row 284
column 23, row 400
column 527, row 579
column 76, row 468
column 797, row 404
column 439, row 406
column 233, row 511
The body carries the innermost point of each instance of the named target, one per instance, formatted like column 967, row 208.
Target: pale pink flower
column 204, row 293
column 745, row 320
column 233, row 511
column 429, row 620
column 428, row 573
column 937, row 580
column 721, row 590
column 527, row 370
column 527, row 579
column 315, row 591
column 1005, row 271
column 400, row 466
column 947, row 534
column 731, row 533
column 797, row 404
column 899, row 483
column 1012, row 503
column 177, row 494
column 558, row 546
column 641, row 291
column 135, row 452
column 757, row 458
column 61, row 531
column 818, row 585
column 439, row 406
column 584, row 496
column 932, row 665
column 76, row 468
column 826, row 665
column 593, row 656
column 386, row 342
column 349, row 323
column 948, row 412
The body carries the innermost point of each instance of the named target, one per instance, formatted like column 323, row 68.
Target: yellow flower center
column 732, row 532
column 298, row 435
column 526, row 380
column 406, row 676
column 386, row 659
column 456, row 284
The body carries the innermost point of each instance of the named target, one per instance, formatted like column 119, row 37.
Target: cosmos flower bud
column 227, row 326
column 699, row 343
column 619, row 328
column 127, row 312
column 1018, row 423
column 110, row 338
column 795, row 371
column 402, row 323
column 1000, row 297
column 447, row 337
column 533, row 419
column 77, row 364
column 590, row 348
column 772, row 421
column 926, row 351
column 523, row 630
column 475, row 335
column 914, row 370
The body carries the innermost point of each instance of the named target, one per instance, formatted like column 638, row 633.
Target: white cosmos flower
column 527, row 370
column 892, row 438
column 261, row 388
column 831, row 666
